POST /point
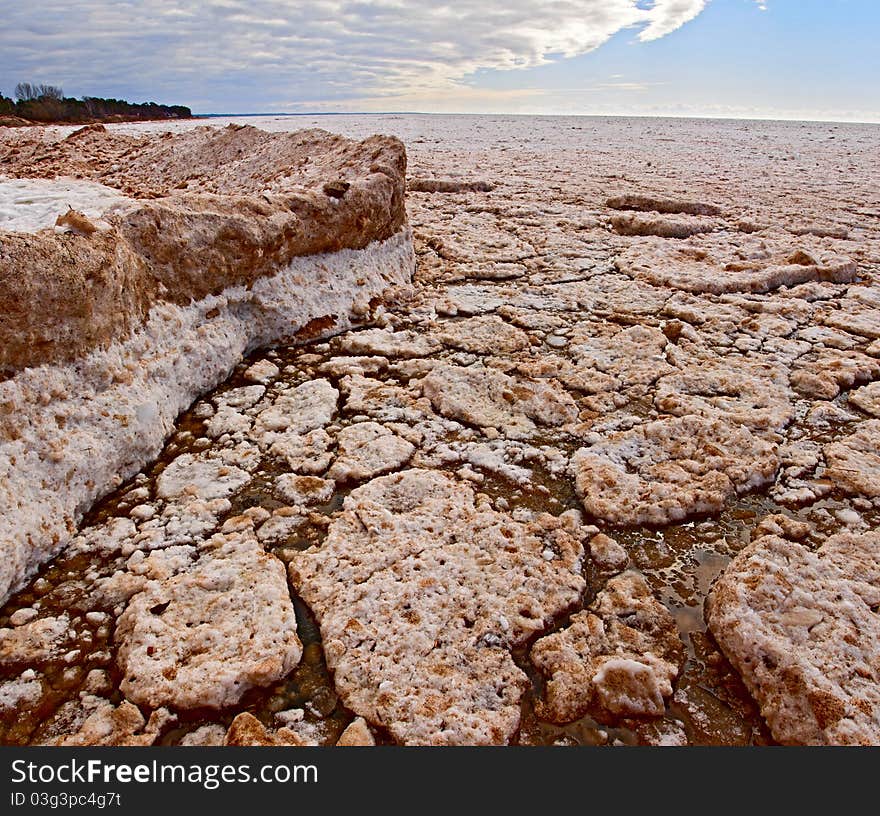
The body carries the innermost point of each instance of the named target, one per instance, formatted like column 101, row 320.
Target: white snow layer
column 29, row 205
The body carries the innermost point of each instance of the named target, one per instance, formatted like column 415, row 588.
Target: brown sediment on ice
column 490, row 398
column 357, row 734
column 719, row 265
column 484, row 335
column 439, row 185
column 824, row 373
column 646, row 203
column 211, row 209
column 867, row 399
column 203, row 637
column 664, row 471
column 801, row 627
column 819, row 231
column 854, row 460
column 620, row 656
column 661, row 226
column 122, row 725
column 749, row 394
column 247, row 730
column 421, row 591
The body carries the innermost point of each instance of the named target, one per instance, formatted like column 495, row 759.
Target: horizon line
column 758, row 118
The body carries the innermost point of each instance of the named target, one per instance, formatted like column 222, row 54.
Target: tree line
column 47, row 103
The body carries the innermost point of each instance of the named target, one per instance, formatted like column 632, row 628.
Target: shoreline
column 599, row 116
column 5, row 121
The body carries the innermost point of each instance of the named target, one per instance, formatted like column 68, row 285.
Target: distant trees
column 47, row 103
column 25, row 91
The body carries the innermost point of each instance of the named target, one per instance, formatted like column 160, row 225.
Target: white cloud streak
column 669, row 15
column 282, row 52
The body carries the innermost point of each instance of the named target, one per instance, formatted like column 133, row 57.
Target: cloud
column 216, row 54
column 669, row 15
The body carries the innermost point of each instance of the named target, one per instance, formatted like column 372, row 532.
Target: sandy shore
column 607, row 474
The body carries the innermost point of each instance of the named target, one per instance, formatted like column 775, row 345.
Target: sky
column 786, row 59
